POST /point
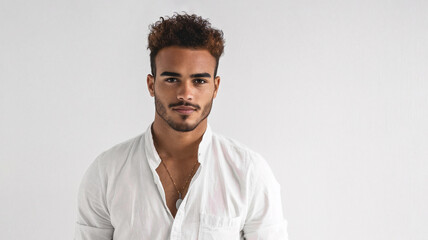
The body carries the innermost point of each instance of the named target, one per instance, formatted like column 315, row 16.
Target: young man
column 179, row 180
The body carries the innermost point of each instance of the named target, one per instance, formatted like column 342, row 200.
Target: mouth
column 184, row 110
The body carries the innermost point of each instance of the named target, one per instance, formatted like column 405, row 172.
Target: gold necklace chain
column 175, row 185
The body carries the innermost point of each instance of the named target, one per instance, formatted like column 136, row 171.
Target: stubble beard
column 161, row 110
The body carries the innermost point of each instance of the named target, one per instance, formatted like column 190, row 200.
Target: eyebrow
column 200, row 75
column 196, row 75
column 171, row 74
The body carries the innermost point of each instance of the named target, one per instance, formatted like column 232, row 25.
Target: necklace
column 179, row 200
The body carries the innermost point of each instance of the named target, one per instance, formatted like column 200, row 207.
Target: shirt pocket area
column 214, row 227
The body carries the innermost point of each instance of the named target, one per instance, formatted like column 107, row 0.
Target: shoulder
column 119, row 153
column 238, row 152
column 250, row 165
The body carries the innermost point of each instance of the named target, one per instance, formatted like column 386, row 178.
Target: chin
column 183, row 127
column 184, row 124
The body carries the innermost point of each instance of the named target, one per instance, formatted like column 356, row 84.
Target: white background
column 332, row 93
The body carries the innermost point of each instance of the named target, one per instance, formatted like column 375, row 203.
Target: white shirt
column 233, row 195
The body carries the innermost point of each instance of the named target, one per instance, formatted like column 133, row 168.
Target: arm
column 93, row 218
column 264, row 216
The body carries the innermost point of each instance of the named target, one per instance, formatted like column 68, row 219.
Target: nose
column 185, row 91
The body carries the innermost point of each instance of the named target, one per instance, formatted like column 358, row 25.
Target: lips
column 184, row 110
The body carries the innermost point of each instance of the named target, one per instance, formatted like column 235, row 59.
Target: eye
column 200, row 81
column 171, row 80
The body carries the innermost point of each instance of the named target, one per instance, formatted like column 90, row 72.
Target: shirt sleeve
column 264, row 219
column 93, row 218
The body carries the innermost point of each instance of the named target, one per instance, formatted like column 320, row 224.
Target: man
column 179, row 180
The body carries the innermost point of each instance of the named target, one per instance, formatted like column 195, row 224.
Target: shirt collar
column 153, row 157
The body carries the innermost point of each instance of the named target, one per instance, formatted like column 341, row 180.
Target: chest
column 175, row 179
column 215, row 201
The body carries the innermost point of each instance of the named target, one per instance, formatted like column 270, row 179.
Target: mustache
column 182, row 103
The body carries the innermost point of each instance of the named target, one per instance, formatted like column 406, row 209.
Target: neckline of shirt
column 153, row 156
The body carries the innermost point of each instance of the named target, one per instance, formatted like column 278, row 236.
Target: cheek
column 163, row 91
column 208, row 94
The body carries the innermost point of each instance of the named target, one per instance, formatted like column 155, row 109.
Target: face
column 184, row 86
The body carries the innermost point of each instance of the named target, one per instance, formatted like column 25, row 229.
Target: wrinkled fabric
column 233, row 195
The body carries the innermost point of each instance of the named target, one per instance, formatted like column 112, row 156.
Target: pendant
column 178, row 203
column 179, row 200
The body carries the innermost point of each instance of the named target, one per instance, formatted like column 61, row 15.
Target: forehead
column 185, row 60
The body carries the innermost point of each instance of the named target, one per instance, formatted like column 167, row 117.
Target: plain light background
column 332, row 93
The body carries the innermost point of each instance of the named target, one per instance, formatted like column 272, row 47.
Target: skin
column 184, row 77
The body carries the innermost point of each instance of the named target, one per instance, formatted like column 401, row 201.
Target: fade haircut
column 184, row 30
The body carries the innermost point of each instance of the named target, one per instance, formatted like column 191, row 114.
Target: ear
column 216, row 85
column 151, row 84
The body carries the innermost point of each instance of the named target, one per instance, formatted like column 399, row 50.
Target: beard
column 161, row 110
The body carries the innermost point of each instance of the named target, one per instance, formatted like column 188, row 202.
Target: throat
column 180, row 145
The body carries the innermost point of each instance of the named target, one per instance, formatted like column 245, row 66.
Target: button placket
column 176, row 225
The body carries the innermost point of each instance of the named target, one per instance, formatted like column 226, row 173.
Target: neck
column 170, row 143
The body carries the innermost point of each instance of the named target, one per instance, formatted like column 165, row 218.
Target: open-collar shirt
column 233, row 195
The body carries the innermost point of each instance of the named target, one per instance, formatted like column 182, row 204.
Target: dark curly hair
column 184, row 30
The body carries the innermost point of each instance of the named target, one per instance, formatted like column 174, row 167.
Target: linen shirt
column 233, row 195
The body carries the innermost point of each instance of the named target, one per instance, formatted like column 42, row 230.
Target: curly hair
column 190, row 31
